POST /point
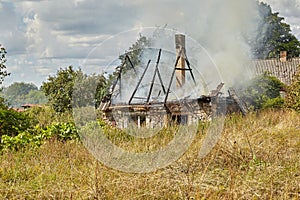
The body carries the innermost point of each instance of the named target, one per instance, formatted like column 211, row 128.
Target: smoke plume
column 221, row 27
column 217, row 35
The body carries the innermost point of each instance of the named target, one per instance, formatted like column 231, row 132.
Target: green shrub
column 277, row 102
column 12, row 122
column 62, row 131
column 46, row 116
column 263, row 90
column 37, row 136
column 22, row 140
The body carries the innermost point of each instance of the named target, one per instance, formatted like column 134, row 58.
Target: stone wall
column 159, row 115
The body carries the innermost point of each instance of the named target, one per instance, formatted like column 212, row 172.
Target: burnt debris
column 151, row 111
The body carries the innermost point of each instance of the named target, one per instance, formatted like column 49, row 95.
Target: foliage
column 43, row 116
column 277, row 103
column 19, row 88
column 62, row 131
column 60, row 89
column 34, row 97
column 89, row 89
column 13, row 122
column 101, row 89
column 257, row 157
column 3, row 103
column 134, row 54
column 37, row 136
column 3, row 72
column 22, row 140
column 262, row 91
column 273, row 35
column 20, row 93
column 33, row 127
column 293, row 93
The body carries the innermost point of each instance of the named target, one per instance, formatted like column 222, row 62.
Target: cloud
column 12, row 32
column 68, row 29
column 41, row 36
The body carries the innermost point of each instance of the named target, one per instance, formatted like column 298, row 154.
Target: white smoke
column 217, row 34
column 219, row 26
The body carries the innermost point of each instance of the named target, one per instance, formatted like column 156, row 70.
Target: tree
column 292, row 99
column 33, row 97
column 3, row 72
column 58, row 89
column 88, row 90
column 91, row 89
column 19, row 88
column 134, row 54
column 20, row 93
column 273, row 35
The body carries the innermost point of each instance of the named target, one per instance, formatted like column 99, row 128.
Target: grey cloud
column 88, row 17
column 52, row 25
column 12, row 32
column 59, row 33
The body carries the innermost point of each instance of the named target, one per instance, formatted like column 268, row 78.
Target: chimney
column 283, row 56
column 180, row 68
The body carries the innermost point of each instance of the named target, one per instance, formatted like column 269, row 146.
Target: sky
column 42, row 36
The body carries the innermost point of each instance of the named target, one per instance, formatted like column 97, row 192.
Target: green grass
column 257, row 157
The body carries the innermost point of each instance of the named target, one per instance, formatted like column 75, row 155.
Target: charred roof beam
column 131, row 64
column 139, row 82
column 156, row 71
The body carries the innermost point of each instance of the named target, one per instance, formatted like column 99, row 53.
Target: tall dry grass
column 257, row 157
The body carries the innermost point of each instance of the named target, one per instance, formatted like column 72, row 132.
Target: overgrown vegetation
column 262, row 92
column 59, row 89
column 13, row 122
column 21, row 130
column 257, row 157
column 293, row 93
column 36, row 125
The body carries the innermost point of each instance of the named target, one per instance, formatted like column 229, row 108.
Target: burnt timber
column 152, row 112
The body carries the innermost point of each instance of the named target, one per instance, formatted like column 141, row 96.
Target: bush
column 293, row 93
column 46, row 116
column 12, row 122
column 277, row 102
column 262, row 91
column 22, row 140
column 62, row 131
column 37, row 136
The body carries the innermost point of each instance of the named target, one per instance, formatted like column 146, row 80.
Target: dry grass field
column 257, row 157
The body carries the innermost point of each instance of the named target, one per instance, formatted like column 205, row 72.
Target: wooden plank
column 240, row 103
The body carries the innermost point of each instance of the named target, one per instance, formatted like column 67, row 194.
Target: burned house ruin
column 161, row 110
